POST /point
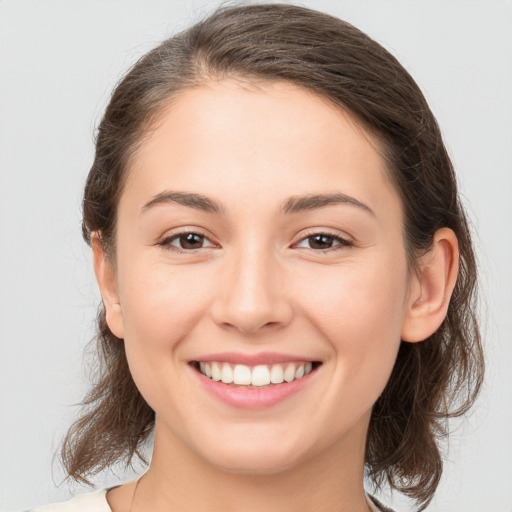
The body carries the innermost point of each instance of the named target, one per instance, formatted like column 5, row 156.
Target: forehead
column 240, row 139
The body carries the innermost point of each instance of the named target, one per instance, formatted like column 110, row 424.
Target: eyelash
column 167, row 242
column 340, row 242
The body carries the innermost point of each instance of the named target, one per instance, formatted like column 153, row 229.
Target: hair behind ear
column 115, row 421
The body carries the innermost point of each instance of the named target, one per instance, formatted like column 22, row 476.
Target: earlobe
column 106, row 278
column 432, row 287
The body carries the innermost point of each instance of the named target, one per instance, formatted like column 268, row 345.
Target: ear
column 431, row 287
column 106, row 277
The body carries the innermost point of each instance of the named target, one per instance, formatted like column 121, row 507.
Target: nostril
column 250, row 306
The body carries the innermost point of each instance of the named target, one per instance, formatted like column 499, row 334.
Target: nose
column 251, row 295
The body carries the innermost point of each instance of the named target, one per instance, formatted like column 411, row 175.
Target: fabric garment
column 96, row 501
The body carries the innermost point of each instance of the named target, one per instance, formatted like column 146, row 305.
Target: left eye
column 320, row 241
column 186, row 241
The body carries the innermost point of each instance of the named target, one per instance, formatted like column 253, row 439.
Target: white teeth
column 289, row 373
column 259, row 375
column 242, row 375
column 227, row 373
column 276, row 374
column 216, row 375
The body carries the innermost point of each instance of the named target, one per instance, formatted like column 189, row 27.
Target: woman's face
column 259, row 235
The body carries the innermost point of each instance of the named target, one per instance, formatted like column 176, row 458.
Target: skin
column 259, row 284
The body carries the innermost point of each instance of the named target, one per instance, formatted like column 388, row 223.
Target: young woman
column 286, row 271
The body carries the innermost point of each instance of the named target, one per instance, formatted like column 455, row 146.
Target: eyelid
column 344, row 241
column 166, row 240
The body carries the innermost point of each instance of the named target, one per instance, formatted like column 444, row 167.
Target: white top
column 96, row 501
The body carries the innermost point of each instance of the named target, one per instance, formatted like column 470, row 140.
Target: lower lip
column 253, row 398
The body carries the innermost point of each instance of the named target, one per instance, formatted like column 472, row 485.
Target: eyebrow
column 190, row 199
column 292, row 205
column 298, row 204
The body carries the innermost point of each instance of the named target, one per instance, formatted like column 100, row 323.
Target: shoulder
column 95, row 501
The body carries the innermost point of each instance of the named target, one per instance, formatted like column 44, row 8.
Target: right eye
column 186, row 241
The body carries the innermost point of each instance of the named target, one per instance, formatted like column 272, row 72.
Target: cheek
column 360, row 317
column 161, row 304
column 359, row 311
column 363, row 296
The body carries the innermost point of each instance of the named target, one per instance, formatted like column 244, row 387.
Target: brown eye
column 190, row 241
column 323, row 242
column 320, row 241
column 187, row 241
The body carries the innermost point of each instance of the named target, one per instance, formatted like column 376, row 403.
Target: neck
column 178, row 479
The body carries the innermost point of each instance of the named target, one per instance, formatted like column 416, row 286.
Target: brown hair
column 431, row 381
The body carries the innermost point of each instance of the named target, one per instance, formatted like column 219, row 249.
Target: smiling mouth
column 255, row 376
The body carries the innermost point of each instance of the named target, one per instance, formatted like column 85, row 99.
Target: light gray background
column 58, row 63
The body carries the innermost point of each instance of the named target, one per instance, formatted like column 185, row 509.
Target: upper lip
column 253, row 359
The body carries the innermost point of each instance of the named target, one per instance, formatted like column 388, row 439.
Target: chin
column 256, row 463
column 261, row 456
